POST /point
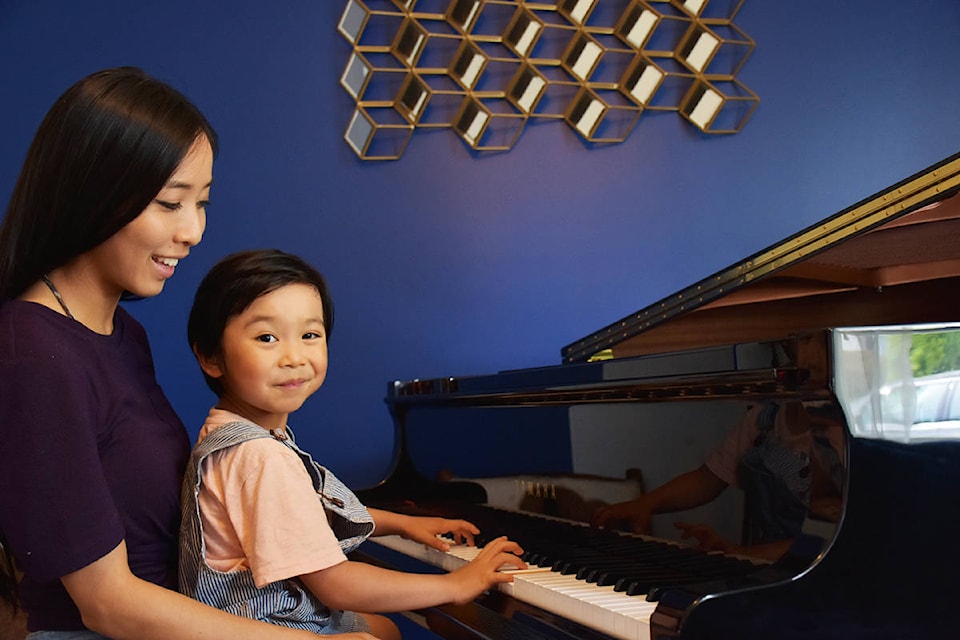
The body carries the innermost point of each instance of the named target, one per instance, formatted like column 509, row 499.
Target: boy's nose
column 292, row 357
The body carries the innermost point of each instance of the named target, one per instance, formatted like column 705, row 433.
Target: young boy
column 265, row 528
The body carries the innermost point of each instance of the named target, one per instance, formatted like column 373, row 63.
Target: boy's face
column 274, row 355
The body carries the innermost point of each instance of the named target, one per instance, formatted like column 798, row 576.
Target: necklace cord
column 56, row 294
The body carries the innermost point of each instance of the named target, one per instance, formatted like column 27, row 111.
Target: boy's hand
column 426, row 529
column 491, row 567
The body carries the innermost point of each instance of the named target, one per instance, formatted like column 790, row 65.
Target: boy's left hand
column 426, row 529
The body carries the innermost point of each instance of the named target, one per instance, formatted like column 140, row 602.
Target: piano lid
column 885, row 260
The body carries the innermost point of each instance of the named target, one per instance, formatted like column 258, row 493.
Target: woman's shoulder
column 28, row 329
column 31, row 332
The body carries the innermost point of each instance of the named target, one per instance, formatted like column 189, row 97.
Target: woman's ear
column 209, row 364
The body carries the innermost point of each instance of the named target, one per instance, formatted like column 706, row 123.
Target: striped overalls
column 285, row 602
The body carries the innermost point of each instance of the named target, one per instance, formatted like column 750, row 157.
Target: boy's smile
column 274, row 356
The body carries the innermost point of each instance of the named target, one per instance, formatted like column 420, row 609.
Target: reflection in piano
column 852, row 313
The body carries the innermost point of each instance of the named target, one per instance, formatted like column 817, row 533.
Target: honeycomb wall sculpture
column 484, row 68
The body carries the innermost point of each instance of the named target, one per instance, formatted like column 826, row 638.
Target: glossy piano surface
column 846, row 336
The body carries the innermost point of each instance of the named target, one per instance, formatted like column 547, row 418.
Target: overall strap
column 285, row 602
column 349, row 518
column 231, row 434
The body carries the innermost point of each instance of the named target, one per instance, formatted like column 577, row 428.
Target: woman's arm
column 117, row 604
column 358, row 586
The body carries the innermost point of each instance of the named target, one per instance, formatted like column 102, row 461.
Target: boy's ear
column 210, row 365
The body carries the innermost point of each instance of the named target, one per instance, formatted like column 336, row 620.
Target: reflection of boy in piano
column 783, row 456
column 266, row 529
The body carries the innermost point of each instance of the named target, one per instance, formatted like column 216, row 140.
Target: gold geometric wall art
column 485, row 68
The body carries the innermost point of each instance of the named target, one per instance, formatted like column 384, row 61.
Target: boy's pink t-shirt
column 725, row 459
column 259, row 510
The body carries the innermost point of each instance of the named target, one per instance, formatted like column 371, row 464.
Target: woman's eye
column 169, row 206
column 267, row 338
column 203, row 204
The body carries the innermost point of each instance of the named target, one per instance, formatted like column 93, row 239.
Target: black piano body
column 830, row 318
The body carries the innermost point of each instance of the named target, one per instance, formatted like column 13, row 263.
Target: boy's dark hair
column 103, row 151
column 233, row 284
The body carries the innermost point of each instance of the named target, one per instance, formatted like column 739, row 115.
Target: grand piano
column 856, row 317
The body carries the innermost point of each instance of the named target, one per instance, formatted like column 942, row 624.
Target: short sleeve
column 56, row 507
column 257, row 499
column 724, row 460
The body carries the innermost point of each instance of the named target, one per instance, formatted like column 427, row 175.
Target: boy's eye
column 169, row 206
column 312, row 335
column 266, row 338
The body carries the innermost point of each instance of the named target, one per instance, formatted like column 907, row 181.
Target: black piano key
column 621, row 580
column 608, row 573
column 586, row 561
column 646, row 582
column 633, row 565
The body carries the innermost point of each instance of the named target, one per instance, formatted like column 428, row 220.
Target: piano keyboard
column 613, row 613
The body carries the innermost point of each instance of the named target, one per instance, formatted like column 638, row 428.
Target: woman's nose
column 192, row 224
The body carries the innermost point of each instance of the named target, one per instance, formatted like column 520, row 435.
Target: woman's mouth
column 166, row 265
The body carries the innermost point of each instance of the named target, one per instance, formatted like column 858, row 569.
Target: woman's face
column 144, row 254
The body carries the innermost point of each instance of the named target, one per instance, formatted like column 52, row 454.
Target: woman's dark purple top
column 91, row 453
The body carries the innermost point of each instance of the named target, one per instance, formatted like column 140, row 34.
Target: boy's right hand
column 487, row 569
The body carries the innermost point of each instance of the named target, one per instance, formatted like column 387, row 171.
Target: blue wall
column 446, row 262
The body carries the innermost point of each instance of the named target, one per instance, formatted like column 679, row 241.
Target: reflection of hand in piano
column 707, row 539
column 632, row 515
column 686, row 491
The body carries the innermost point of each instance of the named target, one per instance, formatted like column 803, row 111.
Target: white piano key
column 598, row 607
column 601, row 608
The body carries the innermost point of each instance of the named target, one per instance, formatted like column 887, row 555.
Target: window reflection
column 900, row 383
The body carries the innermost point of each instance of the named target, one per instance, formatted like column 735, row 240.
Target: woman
column 111, row 197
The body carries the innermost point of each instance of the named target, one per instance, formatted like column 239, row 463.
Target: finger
column 501, row 545
column 501, row 577
column 600, row 517
column 465, row 532
column 504, row 545
column 438, row 543
column 495, row 541
column 513, row 561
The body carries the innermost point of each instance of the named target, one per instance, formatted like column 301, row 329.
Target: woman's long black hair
column 101, row 154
